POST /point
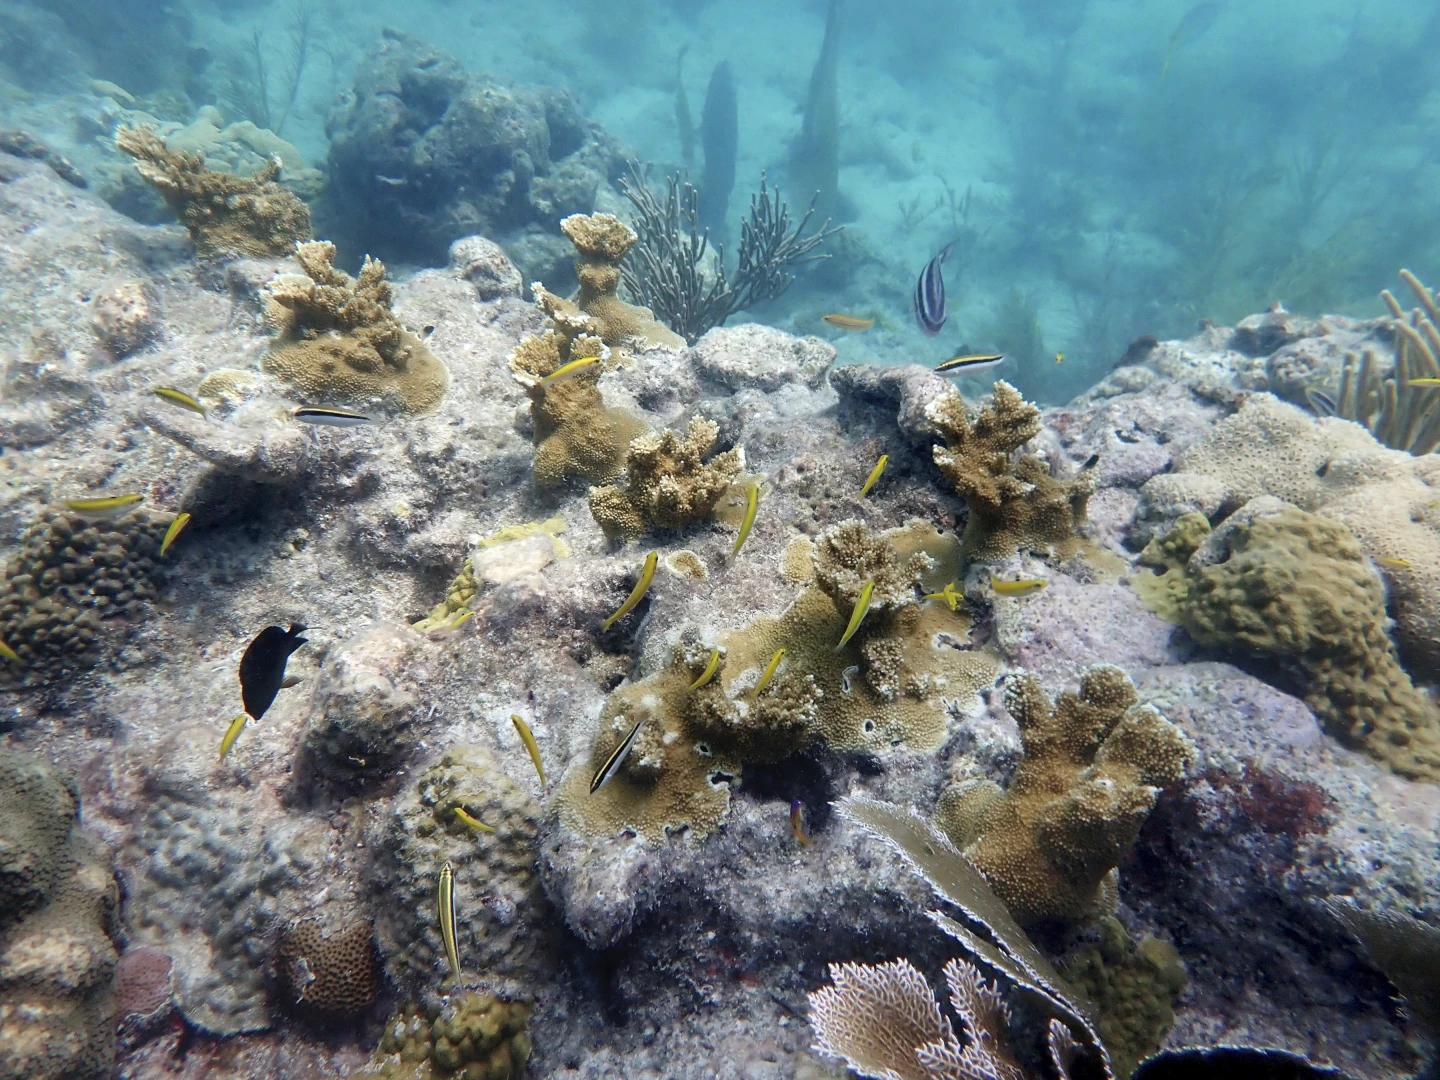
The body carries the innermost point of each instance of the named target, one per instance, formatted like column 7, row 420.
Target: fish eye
column 703, row 749
column 869, row 726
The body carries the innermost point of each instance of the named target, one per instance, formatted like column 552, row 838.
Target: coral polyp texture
column 601, row 241
column 669, row 482
column 1094, row 764
column 473, row 1036
column 332, row 975
column 338, row 341
column 1014, row 502
column 225, row 214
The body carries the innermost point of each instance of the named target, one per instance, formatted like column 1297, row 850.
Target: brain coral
column 337, row 339
column 1094, row 765
column 330, row 974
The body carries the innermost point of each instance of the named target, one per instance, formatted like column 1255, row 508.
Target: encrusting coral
column 225, row 214
column 332, row 975
column 472, row 1036
column 337, row 339
column 1013, row 500
column 893, row 684
column 1094, row 764
column 669, row 484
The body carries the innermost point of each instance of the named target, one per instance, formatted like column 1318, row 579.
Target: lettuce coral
column 1013, row 500
column 1094, row 764
column 601, row 241
column 337, row 339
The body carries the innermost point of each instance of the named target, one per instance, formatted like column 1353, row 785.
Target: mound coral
column 329, row 974
column 892, row 685
column 576, row 435
column 471, row 1037
column 669, row 484
column 337, row 339
column 1014, row 502
column 1094, row 764
column 225, row 214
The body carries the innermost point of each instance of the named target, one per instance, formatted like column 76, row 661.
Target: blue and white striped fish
column 930, row 295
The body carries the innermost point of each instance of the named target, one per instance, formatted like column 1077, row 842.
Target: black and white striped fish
column 930, row 295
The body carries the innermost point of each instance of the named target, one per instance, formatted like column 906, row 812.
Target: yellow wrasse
column 709, row 672
column 874, row 475
column 1427, row 381
column 176, row 527
column 862, row 605
column 8, row 653
column 445, row 901
column 848, row 322
column 179, row 397
column 470, row 821
column 947, row 594
column 528, row 738
column 770, row 669
column 1059, row 358
column 1018, row 587
column 797, row 821
column 614, row 761
column 232, row 733
column 752, row 505
column 461, row 619
column 565, row 371
column 106, row 507
column 1391, row 560
column 647, row 575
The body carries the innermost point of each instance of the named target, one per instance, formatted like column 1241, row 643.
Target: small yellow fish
column 947, row 594
column 797, row 821
column 176, row 527
column 848, row 322
column 445, row 901
column 1391, row 560
column 9, row 654
column 647, row 575
column 614, row 761
column 179, row 397
column 461, row 619
column 1426, row 381
column 1018, row 587
column 770, row 669
column 1059, row 358
column 874, row 476
column 105, row 507
column 472, row 822
column 565, row 371
column 232, row 733
column 709, row 672
column 752, row 505
column 862, row 605
column 528, row 738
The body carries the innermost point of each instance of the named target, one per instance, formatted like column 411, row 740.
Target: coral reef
column 473, row 1036
column 669, row 484
column 337, row 339
column 601, row 241
column 1094, row 764
column 332, row 975
column 226, row 215
column 126, row 317
column 57, row 908
column 144, row 979
column 1166, row 589
column 1014, row 502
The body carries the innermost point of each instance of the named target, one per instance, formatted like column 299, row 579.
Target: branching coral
column 1094, row 765
column 338, row 340
column 669, row 483
column 224, row 214
column 1014, row 502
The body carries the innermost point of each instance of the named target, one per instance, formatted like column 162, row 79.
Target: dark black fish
column 262, row 668
column 930, row 295
column 1090, row 462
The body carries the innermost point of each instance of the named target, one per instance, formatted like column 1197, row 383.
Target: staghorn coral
column 576, row 435
column 332, row 975
column 1094, row 765
column 471, row 1037
column 601, row 241
column 1297, row 586
column 337, row 339
column 225, row 214
column 669, row 484
column 1014, row 502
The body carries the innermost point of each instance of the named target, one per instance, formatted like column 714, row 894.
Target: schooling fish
column 848, row 322
column 176, row 527
column 614, row 761
column 108, row 507
column 318, row 414
column 445, row 901
column 709, row 672
column 752, row 506
column 874, row 476
column 470, row 821
column 797, row 821
column 262, row 668
column 232, row 733
column 930, row 294
column 9, row 654
column 770, row 669
column 1018, row 587
column 862, row 605
column 565, row 371
column 969, row 362
column 647, row 575
column 179, row 397
column 947, row 594
column 528, row 738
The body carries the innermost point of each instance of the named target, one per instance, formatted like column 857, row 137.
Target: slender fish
column 232, row 733
column 862, row 605
column 947, row 594
column 874, row 476
column 565, row 371
column 752, row 505
column 470, row 821
column 176, row 527
column 528, row 738
column 9, row 654
column 445, row 901
column 1391, row 560
column 318, row 414
column 797, row 821
column 770, row 669
column 1426, row 381
column 709, row 672
column 614, row 761
column 461, row 619
column 1090, row 462
column 848, row 322
column 179, row 397
column 647, row 575
column 1018, row 587
column 969, row 362
column 106, row 507
column 930, row 294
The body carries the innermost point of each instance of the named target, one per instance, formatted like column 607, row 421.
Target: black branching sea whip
column 930, row 295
